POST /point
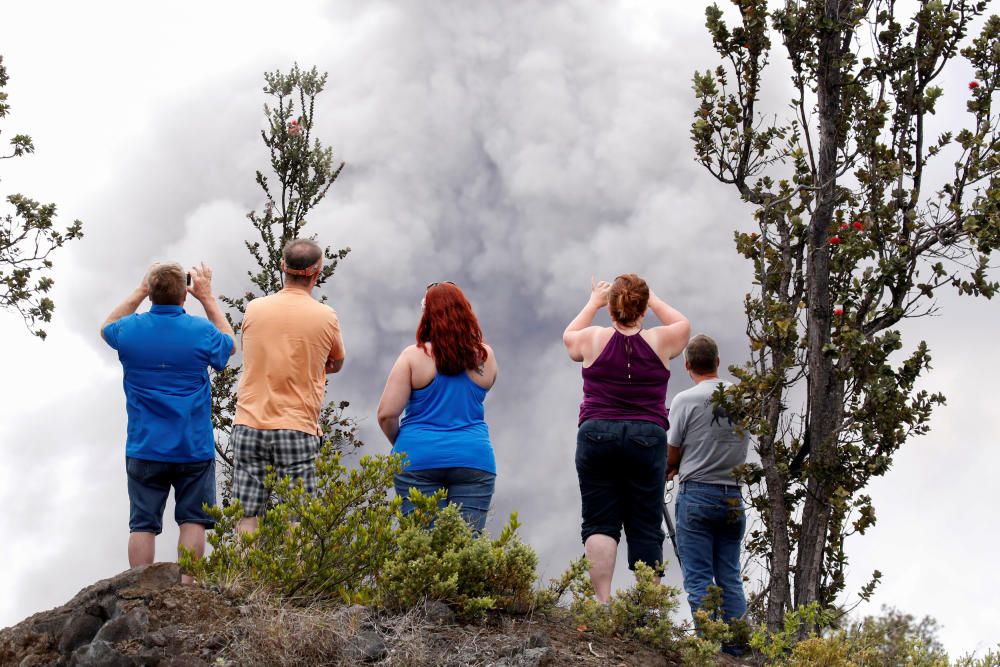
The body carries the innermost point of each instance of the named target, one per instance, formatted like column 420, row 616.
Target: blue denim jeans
column 711, row 520
column 149, row 485
column 469, row 488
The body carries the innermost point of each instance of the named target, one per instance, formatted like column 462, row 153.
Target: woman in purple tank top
column 621, row 444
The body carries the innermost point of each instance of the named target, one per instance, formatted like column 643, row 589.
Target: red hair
column 452, row 329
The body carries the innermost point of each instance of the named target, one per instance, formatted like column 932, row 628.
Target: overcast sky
column 515, row 148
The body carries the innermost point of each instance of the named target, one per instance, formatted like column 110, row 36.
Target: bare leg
column 601, row 552
column 247, row 524
column 141, row 549
column 193, row 539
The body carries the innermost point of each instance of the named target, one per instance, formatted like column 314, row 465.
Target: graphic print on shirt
column 718, row 414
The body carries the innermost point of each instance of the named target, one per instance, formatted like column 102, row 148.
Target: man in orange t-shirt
column 290, row 343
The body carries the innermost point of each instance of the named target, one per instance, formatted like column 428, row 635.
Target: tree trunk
column 825, row 397
column 779, row 560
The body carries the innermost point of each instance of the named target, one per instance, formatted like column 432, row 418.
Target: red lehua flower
column 973, row 85
column 844, row 226
column 834, row 240
column 858, row 225
column 295, row 122
column 838, row 310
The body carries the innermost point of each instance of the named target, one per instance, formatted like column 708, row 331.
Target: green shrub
column 439, row 557
column 776, row 646
column 348, row 542
column 327, row 545
column 708, row 618
column 574, row 581
column 641, row 612
column 698, row 652
column 890, row 639
column 832, row 650
column 991, row 659
column 898, row 638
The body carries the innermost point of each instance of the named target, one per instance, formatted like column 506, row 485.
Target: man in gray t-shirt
column 704, row 447
column 702, row 436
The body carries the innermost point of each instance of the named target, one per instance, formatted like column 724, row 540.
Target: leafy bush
column 713, row 629
column 574, row 581
column 641, row 612
column 897, row 638
column 893, row 638
column 348, row 542
column 327, row 545
column 991, row 659
column 776, row 646
column 439, row 557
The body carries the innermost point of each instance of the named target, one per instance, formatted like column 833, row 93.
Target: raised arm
column 201, row 289
column 130, row 304
column 579, row 335
column 395, row 397
column 673, row 335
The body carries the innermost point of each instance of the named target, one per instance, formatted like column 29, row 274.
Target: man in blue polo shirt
column 165, row 355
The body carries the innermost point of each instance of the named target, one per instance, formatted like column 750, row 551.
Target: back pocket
column 600, row 437
column 654, row 439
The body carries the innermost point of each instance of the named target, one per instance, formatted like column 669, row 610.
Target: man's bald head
column 303, row 260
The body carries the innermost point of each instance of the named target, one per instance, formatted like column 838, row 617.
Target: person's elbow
column 684, row 330
column 387, row 421
column 334, row 365
column 681, row 334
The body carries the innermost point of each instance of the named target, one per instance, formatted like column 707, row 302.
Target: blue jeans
column 469, row 488
column 711, row 520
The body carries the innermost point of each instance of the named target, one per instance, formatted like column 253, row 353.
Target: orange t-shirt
column 287, row 339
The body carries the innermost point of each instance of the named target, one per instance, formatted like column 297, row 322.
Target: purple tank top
column 627, row 381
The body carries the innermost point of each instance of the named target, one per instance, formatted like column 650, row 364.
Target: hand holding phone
column 200, row 282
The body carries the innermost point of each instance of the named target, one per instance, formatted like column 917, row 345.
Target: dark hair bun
column 628, row 298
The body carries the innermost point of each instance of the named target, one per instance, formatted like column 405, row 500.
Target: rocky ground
column 146, row 617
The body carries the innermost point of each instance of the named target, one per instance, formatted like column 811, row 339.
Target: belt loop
column 680, row 487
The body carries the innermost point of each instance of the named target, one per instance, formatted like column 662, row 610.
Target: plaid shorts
column 290, row 453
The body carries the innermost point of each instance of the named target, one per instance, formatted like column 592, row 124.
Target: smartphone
column 189, row 279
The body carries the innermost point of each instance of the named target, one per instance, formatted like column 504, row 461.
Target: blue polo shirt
column 165, row 355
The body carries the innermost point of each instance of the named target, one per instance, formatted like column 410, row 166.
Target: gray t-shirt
column 710, row 446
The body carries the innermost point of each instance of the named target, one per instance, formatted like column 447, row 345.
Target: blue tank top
column 443, row 426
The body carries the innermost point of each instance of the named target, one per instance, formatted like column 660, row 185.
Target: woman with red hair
column 438, row 386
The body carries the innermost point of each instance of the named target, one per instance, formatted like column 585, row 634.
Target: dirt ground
column 141, row 618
